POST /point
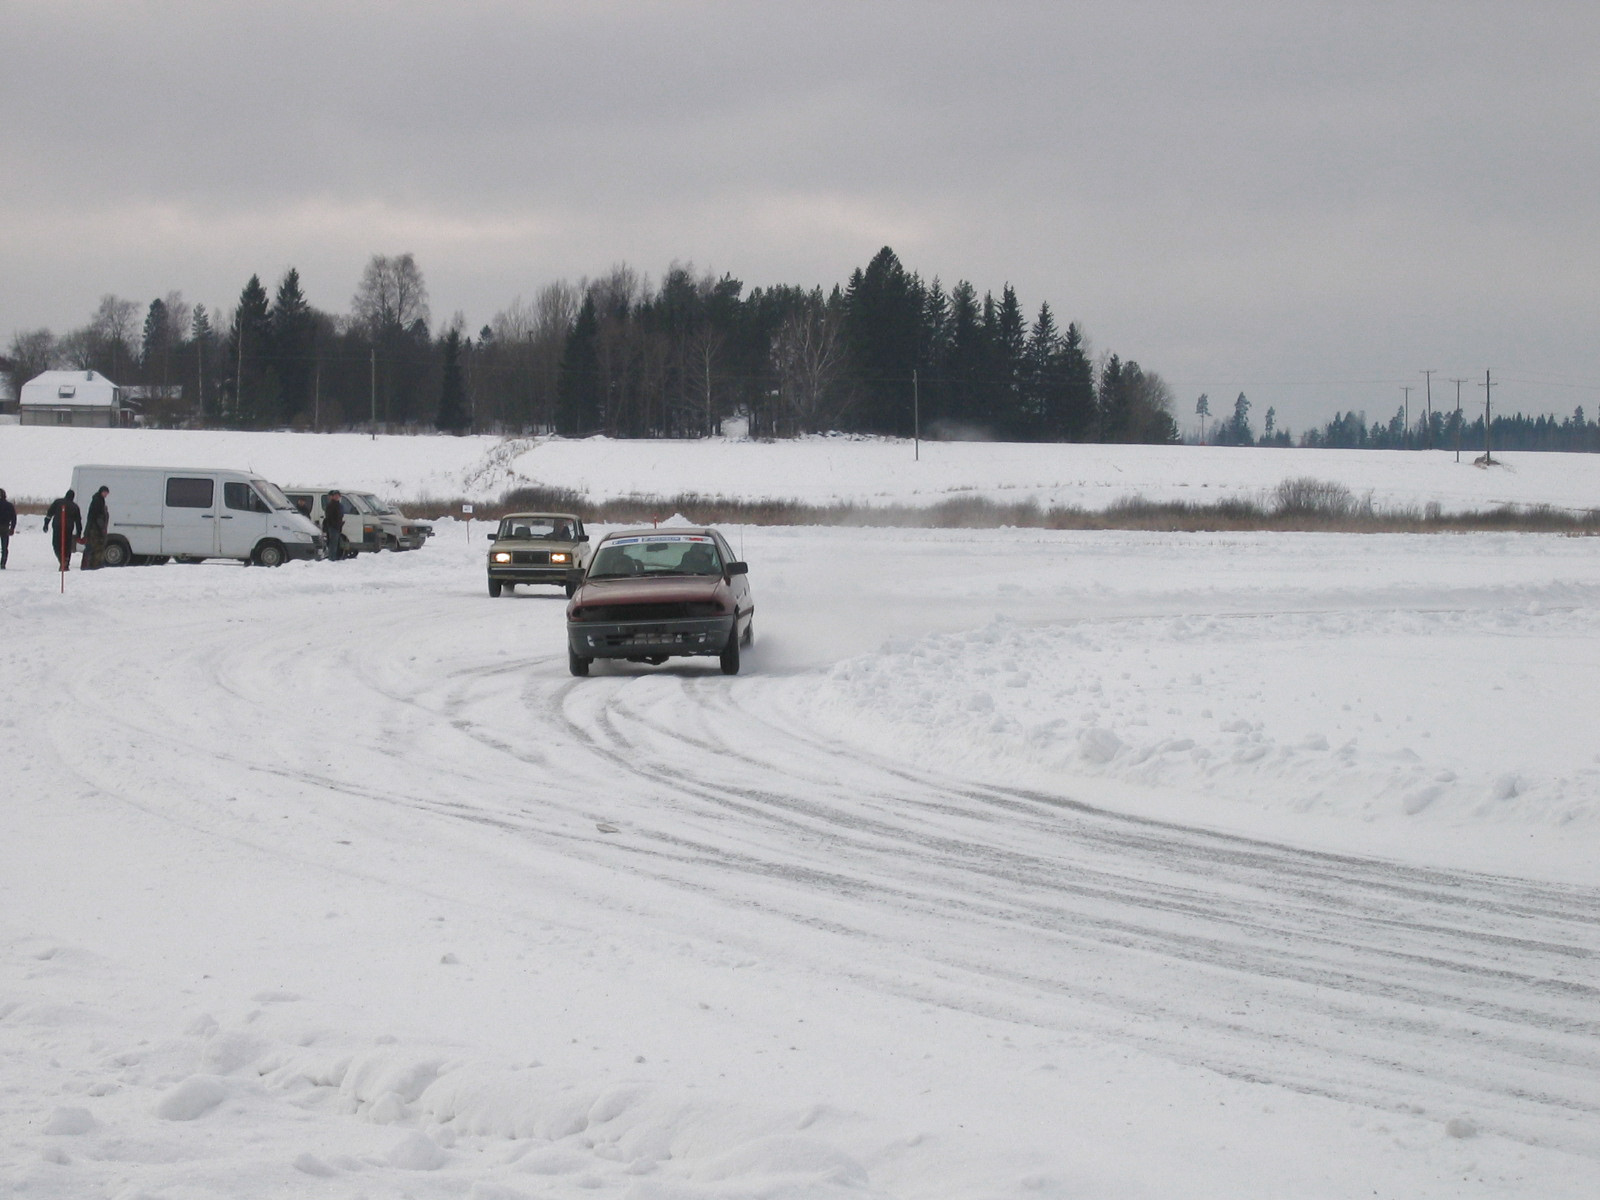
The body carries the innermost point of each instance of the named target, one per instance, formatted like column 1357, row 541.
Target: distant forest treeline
column 886, row 353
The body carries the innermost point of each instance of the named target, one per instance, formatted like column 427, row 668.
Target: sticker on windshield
column 658, row 537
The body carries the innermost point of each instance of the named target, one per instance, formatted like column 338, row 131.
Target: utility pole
column 1488, row 420
column 374, row 421
column 200, row 382
column 1458, row 383
column 1427, row 442
column 916, row 418
column 238, row 375
column 316, row 400
column 1405, row 434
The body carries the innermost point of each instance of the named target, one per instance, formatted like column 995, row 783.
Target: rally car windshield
column 672, row 554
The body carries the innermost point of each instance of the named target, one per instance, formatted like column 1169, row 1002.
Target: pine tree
column 1078, row 409
column 248, row 346
column 883, row 317
column 453, row 416
column 293, row 337
column 578, row 407
column 1041, row 385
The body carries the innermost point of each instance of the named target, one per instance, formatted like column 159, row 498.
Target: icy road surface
column 1016, row 864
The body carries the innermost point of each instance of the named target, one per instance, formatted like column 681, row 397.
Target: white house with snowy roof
column 85, row 398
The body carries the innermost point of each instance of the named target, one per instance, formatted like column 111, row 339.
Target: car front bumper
column 523, row 573
column 311, row 549
column 676, row 638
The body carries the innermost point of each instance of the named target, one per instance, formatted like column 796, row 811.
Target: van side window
column 189, row 493
column 243, row 497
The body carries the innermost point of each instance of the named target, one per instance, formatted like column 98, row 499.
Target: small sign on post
column 466, row 511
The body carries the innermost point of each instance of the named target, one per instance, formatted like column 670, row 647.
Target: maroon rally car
column 654, row 594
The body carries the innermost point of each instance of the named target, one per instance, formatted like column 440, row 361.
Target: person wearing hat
column 67, row 518
column 94, row 531
column 333, row 524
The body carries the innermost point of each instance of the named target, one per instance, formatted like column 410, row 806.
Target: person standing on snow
column 8, row 526
column 67, row 520
column 94, row 531
column 333, row 524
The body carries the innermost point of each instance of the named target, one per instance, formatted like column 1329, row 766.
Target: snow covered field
column 1015, row 864
column 36, row 463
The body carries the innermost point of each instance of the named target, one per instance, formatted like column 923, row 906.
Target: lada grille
column 531, row 558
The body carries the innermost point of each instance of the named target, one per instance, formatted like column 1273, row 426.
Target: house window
column 64, row 417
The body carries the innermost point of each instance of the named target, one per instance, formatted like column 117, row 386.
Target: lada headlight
column 501, row 556
column 557, row 556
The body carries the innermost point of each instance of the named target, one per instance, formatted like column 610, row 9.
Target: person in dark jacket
column 94, row 531
column 63, row 520
column 333, row 524
column 8, row 526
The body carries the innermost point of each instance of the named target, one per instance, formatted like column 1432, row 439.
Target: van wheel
column 115, row 554
column 494, row 588
column 577, row 664
column 269, row 554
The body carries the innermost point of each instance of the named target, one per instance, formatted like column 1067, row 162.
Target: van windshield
column 272, row 494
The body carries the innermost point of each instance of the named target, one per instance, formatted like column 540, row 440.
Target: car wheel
column 729, row 658
column 494, row 588
column 577, row 664
column 115, row 553
column 269, row 554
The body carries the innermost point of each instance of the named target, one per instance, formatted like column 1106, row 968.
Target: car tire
column 115, row 553
column 729, row 659
column 269, row 554
column 494, row 588
column 577, row 664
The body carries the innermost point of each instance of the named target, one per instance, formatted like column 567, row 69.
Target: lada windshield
column 548, row 528
column 656, row 554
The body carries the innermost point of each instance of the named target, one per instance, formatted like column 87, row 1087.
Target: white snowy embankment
column 36, row 463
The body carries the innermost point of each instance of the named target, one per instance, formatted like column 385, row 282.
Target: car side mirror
column 738, row 568
column 583, row 537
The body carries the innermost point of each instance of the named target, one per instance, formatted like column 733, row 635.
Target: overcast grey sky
column 1306, row 202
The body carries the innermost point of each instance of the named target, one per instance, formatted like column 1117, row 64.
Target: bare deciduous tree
column 392, row 294
column 807, row 356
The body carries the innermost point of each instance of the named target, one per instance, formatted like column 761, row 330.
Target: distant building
column 81, row 398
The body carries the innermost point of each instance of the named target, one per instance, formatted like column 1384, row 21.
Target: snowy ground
column 1015, row 864
column 36, row 463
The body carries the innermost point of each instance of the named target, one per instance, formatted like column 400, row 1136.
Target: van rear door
column 189, row 516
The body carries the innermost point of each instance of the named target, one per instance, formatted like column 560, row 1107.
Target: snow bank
column 38, row 461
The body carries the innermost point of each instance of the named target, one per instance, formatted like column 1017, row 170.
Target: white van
column 159, row 513
column 363, row 529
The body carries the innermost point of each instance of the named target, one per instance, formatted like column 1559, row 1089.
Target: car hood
column 665, row 589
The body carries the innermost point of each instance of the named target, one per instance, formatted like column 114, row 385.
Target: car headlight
column 558, row 557
column 501, row 556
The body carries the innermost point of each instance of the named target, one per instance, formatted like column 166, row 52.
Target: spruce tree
column 578, row 407
column 452, row 416
column 248, row 346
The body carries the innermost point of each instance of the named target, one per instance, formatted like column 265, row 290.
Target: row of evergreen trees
column 1449, row 430
column 886, row 353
